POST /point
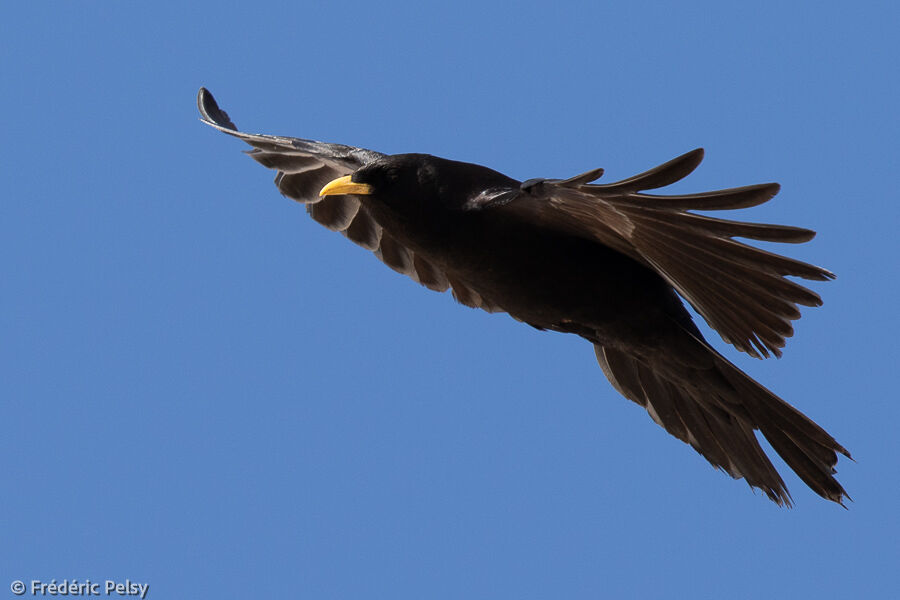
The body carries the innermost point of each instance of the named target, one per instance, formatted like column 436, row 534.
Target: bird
column 609, row 263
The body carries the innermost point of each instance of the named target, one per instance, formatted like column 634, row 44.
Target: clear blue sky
column 205, row 390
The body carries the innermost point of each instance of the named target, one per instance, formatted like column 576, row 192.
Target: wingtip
column 690, row 160
column 660, row 176
column 684, row 165
column 210, row 112
column 204, row 101
column 838, row 497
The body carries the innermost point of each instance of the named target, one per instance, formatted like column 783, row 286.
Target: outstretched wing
column 305, row 166
column 716, row 407
column 742, row 291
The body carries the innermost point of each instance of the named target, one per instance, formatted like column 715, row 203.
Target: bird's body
column 605, row 262
column 543, row 277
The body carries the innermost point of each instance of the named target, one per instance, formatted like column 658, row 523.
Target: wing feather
column 303, row 166
column 364, row 230
column 335, row 212
column 723, row 437
column 740, row 290
column 665, row 174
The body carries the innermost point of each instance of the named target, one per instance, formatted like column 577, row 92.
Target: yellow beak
column 343, row 185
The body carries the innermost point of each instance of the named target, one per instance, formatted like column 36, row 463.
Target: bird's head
column 394, row 180
column 415, row 182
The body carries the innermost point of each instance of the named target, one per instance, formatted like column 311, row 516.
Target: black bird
column 605, row 262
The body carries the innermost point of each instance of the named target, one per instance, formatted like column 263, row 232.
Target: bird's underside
column 603, row 262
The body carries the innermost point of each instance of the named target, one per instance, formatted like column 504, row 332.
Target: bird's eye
column 392, row 175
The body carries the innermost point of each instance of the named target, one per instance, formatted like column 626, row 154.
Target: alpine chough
column 605, row 262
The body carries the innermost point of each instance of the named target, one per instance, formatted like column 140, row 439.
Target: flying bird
column 609, row 263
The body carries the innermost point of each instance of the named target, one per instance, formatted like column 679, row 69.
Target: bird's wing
column 716, row 407
column 742, row 291
column 305, row 166
column 349, row 216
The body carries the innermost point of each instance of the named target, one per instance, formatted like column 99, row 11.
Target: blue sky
column 204, row 390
